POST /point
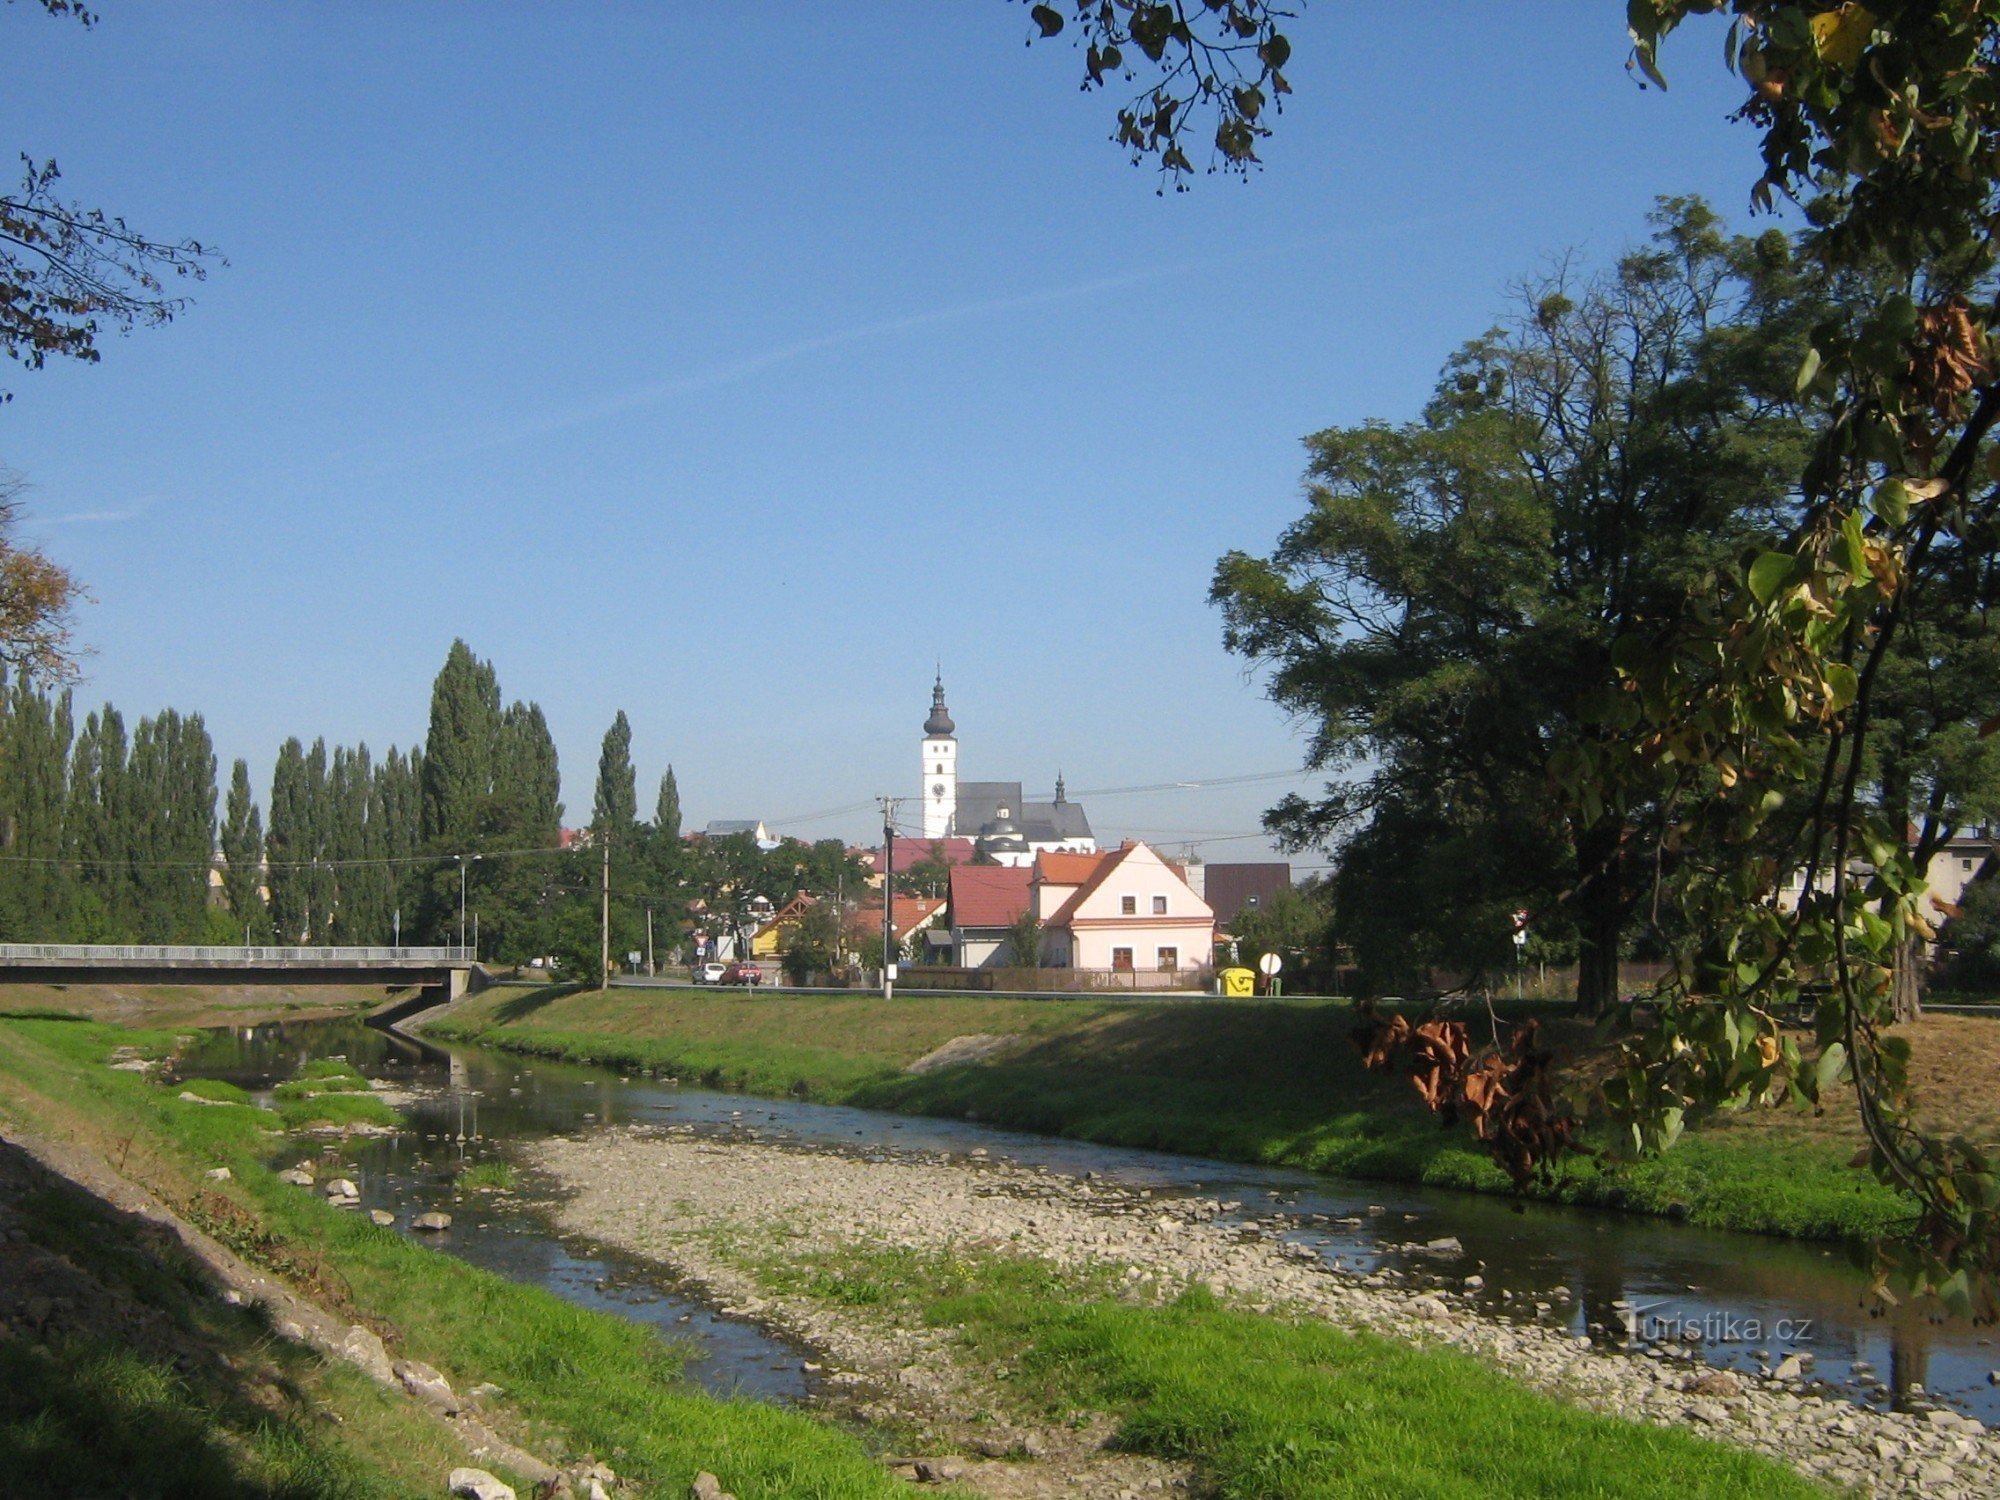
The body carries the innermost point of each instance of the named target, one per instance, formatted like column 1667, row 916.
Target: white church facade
column 993, row 814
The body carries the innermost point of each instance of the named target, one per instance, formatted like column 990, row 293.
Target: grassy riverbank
column 1266, row 1405
column 1269, row 1083
column 171, row 1006
column 1260, row 1407
column 574, row 1381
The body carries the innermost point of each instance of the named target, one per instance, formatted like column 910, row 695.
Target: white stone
column 428, row 1386
column 477, row 1484
column 363, row 1347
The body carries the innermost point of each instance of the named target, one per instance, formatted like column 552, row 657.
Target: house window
column 1128, row 906
column 1121, row 958
column 1170, row 959
column 1159, row 906
column 1965, row 864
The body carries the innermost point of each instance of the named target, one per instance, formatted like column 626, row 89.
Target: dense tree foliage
column 1748, row 723
column 1444, row 614
column 103, row 838
column 36, row 597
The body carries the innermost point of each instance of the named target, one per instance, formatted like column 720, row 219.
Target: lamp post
column 463, row 860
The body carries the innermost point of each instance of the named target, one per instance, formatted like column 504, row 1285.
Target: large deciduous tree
column 37, row 596
column 1447, row 606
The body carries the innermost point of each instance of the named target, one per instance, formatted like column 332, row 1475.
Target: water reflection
column 1730, row 1299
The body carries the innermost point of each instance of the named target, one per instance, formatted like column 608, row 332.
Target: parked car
column 709, row 973
column 741, row 973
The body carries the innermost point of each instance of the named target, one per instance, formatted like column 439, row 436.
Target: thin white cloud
column 129, row 512
column 453, row 445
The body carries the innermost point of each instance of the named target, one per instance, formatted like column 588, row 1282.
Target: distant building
column 1130, row 910
column 909, row 916
column 723, row 828
column 992, row 814
column 985, row 903
column 1232, row 889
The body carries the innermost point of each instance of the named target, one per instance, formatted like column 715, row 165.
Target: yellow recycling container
column 1239, row 982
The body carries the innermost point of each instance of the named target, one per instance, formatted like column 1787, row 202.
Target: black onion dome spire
column 939, row 724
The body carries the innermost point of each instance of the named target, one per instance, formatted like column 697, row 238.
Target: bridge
column 170, row 963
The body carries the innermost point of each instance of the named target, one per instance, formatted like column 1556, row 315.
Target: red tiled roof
column 988, row 895
column 908, row 913
column 915, row 851
column 1106, row 863
column 1058, row 867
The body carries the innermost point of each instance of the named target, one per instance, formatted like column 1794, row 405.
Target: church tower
column 940, row 767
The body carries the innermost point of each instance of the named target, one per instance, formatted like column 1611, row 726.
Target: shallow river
column 1739, row 1300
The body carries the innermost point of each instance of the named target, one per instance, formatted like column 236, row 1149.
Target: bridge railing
column 185, row 953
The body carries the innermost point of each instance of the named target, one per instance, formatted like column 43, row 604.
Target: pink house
column 1127, row 909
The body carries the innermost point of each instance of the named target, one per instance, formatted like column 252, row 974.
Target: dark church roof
column 995, row 810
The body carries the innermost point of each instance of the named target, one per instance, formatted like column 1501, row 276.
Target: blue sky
column 731, row 366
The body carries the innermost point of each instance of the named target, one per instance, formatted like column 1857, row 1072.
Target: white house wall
column 1100, row 924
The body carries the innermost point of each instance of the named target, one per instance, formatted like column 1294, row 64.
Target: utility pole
column 889, row 897
column 604, row 920
column 649, row 942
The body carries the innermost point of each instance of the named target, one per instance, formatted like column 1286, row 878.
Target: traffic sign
column 1269, row 965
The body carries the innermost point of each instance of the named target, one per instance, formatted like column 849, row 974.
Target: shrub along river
column 1733, row 1300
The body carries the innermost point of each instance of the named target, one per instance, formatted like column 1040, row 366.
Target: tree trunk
column 1600, row 919
column 1907, row 978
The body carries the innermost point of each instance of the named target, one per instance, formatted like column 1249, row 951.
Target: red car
column 741, row 973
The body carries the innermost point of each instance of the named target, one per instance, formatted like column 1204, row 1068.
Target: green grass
column 150, row 1384
column 336, row 1110
column 488, row 1176
column 1271, row 1083
column 1269, row 1408
column 582, row 1381
column 216, row 1089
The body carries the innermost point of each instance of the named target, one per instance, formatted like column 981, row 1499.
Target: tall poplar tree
column 667, row 811
column 96, row 830
column 35, row 881
column 356, row 848
column 243, row 857
column 289, row 842
column 459, row 750
column 396, row 782
column 616, row 806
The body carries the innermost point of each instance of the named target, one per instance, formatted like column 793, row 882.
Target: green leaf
column 1047, row 18
column 1671, row 1124
column 1771, row 574
column 1832, row 1063
column 1276, row 52
column 1808, row 371
column 1892, row 502
column 1841, row 684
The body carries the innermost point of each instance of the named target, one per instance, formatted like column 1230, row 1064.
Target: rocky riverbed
column 692, row 1203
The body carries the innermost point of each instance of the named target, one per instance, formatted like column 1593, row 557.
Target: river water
column 1736, row 1300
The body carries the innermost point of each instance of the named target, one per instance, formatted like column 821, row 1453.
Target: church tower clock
column 940, row 767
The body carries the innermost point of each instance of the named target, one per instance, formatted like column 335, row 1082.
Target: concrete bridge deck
column 175, row 963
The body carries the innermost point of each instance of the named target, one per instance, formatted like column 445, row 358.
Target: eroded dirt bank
column 729, row 1214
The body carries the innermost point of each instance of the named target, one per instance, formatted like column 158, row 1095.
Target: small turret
column 938, row 726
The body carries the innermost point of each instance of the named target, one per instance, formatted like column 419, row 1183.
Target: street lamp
column 462, row 860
